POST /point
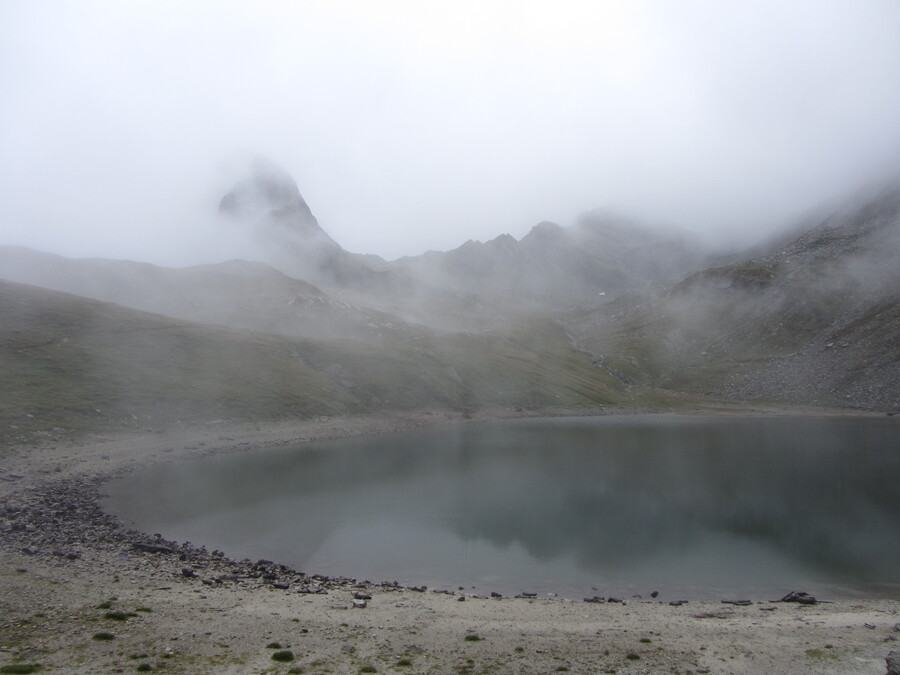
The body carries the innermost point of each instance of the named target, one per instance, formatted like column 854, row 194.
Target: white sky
column 418, row 125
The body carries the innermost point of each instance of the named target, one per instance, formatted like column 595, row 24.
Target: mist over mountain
column 815, row 320
column 608, row 311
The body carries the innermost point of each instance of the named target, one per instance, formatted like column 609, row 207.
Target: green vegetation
column 472, row 637
column 73, row 366
column 273, row 645
column 817, row 653
column 103, row 636
column 119, row 616
column 284, row 655
column 20, row 668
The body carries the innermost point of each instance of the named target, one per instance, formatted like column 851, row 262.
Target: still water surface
column 693, row 507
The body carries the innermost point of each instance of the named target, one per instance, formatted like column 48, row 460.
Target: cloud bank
column 412, row 126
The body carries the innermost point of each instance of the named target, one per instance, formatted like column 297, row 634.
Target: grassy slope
column 79, row 365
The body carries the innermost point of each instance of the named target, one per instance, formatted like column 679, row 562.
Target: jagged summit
column 266, row 194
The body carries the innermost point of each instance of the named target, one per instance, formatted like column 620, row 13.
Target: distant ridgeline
column 607, row 312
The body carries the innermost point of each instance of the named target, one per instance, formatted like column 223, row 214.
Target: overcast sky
column 418, row 125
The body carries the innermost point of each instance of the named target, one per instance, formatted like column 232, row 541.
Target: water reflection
column 701, row 506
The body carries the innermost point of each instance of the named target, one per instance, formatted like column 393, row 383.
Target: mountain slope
column 554, row 267
column 73, row 365
column 814, row 321
column 237, row 294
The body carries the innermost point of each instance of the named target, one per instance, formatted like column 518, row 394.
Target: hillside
column 815, row 321
column 552, row 267
column 236, row 294
column 73, row 365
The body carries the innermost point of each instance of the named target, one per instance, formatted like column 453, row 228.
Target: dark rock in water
column 418, row 589
column 596, row 599
column 528, row 595
column 678, row 603
column 738, row 603
column 893, row 663
column 495, row 594
column 618, row 600
column 654, row 594
column 362, row 596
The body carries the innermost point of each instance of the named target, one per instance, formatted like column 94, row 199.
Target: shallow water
column 692, row 507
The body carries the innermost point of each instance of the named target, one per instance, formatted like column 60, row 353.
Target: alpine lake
column 691, row 507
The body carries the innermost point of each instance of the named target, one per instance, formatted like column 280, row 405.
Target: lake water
column 696, row 508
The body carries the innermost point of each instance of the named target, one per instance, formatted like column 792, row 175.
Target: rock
column 281, row 585
column 596, row 599
column 188, row 572
column 151, row 548
column 494, row 594
column 360, row 604
column 799, row 597
column 654, row 594
column 362, row 596
column 893, row 663
column 678, row 603
column 738, row 603
column 461, row 598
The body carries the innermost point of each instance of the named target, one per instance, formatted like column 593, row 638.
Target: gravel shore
column 79, row 593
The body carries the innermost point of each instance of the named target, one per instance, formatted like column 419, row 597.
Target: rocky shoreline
column 69, row 567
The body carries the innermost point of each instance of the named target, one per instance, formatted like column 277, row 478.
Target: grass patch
column 283, row 656
column 273, row 645
column 472, row 637
column 631, row 656
column 817, row 653
column 404, row 662
column 20, row 668
column 103, row 637
column 119, row 616
column 645, row 641
column 144, row 668
column 368, row 669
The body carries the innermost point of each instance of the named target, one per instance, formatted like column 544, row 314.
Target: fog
column 417, row 126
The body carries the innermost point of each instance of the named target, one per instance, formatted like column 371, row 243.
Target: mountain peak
column 266, row 193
